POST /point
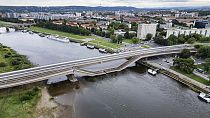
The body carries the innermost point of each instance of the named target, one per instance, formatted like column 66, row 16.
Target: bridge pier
column 74, row 80
column 71, row 78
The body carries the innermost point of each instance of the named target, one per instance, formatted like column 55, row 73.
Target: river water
column 131, row 93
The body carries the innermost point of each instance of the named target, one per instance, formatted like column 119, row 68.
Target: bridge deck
column 31, row 75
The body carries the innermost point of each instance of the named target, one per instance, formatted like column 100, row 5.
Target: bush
column 15, row 62
column 197, row 46
column 3, row 64
column 29, row 95
column 135, row 40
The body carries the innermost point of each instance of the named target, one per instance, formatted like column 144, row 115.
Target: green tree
column 172, row 40
column 191, row 40
column 185, row 53
column 160, row 40
column 203, row 52
column 119, row 39
column 135, row 40
column 113, row 39
column 127, row 35
column 134, row 26
column 186, row 65
column 206, row 65
column 3, row 64
column 148, row 36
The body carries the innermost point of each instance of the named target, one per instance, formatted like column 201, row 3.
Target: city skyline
column 133, row 3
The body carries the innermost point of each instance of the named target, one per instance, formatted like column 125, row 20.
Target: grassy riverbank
column 105, row 43
column 3, row 23
column 192, row 76
column 10, row 60
column 55, row 32
column 19, row 104
column 16, row 103
column 78, row 38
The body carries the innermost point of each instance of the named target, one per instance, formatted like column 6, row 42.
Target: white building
column 144, row 29
column 176, row 32
column 166, row 25
column 185, row 14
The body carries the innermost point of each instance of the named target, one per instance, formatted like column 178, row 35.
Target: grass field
column 105, row 43
column 96, row 41
column 10, row 60
column 145, row 46
column 3, row 23
column 128, row 41
column 54, row 32
column 192, row 76
column 19, row 104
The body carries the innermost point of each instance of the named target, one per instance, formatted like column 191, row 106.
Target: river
column 131, row 93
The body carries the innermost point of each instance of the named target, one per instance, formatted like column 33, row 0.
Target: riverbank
column 10, row 60
column 192, row 76
column 16, row 103
column 176, row 75
column 48, row 108
column 3, row 23
column 26, row 101
column 91, row 40
column 19, row 103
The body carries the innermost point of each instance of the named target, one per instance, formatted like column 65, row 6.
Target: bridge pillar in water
column 74, row 80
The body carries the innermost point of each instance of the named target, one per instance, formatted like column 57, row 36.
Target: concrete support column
column 73, row 79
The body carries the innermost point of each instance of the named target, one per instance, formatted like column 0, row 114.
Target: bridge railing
column 83, row 62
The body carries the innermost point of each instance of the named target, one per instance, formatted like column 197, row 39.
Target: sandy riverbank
column 48, row 108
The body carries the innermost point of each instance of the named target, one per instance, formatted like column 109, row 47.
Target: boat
column 24, row 31
column 90, row 46
column 152, row 72
column 30, row 32
column 42, row 35
column 102, row 50
column 56, row 38
column 205, row 97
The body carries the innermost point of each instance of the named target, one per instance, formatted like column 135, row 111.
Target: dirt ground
column 48, row 108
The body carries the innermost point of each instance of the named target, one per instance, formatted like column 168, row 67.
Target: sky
column 134, row 3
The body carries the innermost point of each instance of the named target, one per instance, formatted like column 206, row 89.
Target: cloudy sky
column 135, row 3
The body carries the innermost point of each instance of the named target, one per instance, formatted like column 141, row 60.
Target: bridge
column 71, row 68
column 16, row 26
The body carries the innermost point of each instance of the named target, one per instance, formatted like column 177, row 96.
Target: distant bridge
column 31, row 75
column 16, row 26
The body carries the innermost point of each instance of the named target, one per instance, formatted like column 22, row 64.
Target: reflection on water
column 131, row 93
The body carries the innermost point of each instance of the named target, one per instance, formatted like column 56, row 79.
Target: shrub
column 15, row 62
column 29, row 95
column 3, row 64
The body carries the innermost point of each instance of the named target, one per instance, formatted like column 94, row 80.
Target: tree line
column 181, row 39
column 64, row 28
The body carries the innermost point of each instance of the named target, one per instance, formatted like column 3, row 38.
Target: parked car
column 199, row 70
